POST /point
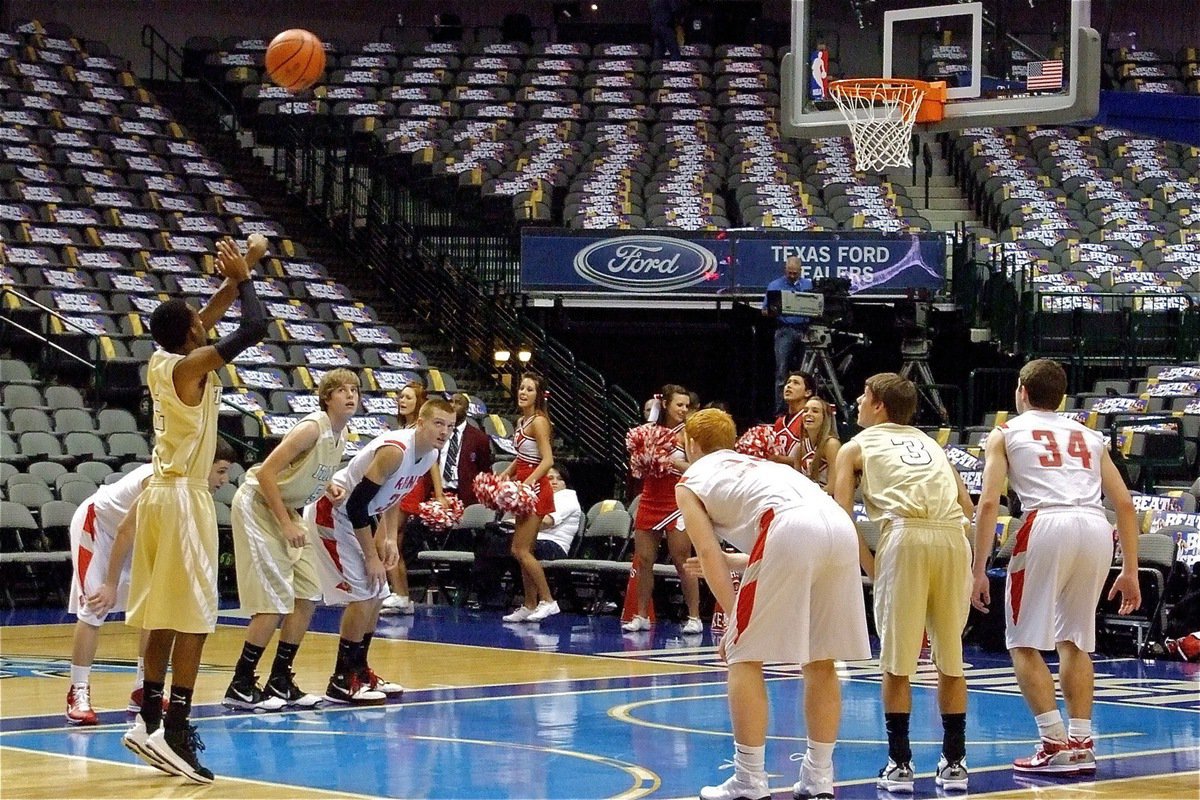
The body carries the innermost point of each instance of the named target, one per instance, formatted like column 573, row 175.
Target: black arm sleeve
column 253, row 326
column 357, row 502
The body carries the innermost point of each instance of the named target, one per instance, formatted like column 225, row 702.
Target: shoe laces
column 80, row 696
column 191, row 738
column 285, row 681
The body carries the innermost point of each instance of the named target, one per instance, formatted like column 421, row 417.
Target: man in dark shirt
column 789, row 331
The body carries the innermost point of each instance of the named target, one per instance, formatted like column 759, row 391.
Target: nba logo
column 818, row 73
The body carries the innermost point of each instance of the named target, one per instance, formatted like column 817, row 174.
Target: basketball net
column 880, row 113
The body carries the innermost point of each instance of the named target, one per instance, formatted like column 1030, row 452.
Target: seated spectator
column 559, row 527
column 493, row 559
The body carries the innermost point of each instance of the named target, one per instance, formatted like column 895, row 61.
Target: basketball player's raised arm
column 195, row 366
column 214, row 310
column 298, row 441
column 1126, row 582
column 708, row 546
column 995, row 478
column 844, row 482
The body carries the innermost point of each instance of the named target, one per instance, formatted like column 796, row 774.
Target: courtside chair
column 599, row 572
column 76, row 491
column 48, row 471
column 450, row 566
column 1156, row 559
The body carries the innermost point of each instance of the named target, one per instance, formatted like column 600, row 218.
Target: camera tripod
column 816, row 361
column 915, row 352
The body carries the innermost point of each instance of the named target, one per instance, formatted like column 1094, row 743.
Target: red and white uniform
column 801, row 596
column 93, row 531
column 339, row 556
column 657, row 510
column 1065, row 545
column 423, row 489
column 789, row 434
column 527, row 460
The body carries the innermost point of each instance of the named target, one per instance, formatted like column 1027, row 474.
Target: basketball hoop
column 881, row 113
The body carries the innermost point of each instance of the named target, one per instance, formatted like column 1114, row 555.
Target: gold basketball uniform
column 173, row 582
column 270, row 573
column 923, row 562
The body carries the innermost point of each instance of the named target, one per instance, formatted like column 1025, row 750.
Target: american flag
column 1044, row 75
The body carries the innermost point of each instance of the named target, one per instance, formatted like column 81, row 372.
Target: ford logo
column 645, row 263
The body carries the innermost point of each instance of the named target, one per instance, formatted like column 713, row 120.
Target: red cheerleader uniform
column 657, row 510
column 528, row 458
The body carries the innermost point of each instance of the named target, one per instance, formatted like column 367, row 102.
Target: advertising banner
column 732, row 262
column 633, row 263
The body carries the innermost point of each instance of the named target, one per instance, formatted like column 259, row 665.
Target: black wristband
column 359, row 501
column 252, row 328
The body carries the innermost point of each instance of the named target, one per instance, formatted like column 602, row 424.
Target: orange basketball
column 295, row 59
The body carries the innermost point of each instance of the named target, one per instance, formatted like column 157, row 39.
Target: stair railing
column 165, row 55
column 365, row 207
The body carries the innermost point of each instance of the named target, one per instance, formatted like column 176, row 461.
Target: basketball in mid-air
column 295, row 59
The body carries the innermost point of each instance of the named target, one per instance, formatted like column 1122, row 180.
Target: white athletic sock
column 1079, row 728
column 140, row 678
column 749, row 763
column 1050, row 726
column 80, row 674
column 820, row 754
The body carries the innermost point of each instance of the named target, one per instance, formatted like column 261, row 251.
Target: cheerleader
column 819, row 444
column 789, row 428
column 408, row 407
column 657, row 514
column 534, row 460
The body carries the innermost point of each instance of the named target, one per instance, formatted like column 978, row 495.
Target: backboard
column 1006, row 62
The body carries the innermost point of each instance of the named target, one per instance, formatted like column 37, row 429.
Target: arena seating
column 1097, row 235
column 1154, row 70
column 579, row 136
column 107, row 207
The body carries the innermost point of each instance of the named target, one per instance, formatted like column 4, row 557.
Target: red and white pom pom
column 758, row 441
column 650, row 447
column 486, row 485
column 436, row 516
column 517, row 498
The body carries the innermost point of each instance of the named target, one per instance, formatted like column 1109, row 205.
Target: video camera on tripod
column 828, row 304
column 829, row 311
column 913, row 322
column 914, row 314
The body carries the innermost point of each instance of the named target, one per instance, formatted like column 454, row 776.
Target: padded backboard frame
column 1081, row 100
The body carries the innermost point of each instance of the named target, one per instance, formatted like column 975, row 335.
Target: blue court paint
column 660, row 736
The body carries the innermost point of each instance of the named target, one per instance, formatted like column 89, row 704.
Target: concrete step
column 941, row 203
column 945, row 220
column 935, row 180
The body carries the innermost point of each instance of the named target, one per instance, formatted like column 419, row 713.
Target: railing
column 11, row 316
column 1122, row 330
column 49, row 350
column 367, row 208
column 165, row 55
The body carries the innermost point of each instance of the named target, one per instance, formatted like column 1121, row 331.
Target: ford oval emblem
column 645, row 263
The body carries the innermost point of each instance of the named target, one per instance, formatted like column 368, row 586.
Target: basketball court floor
column 570, row 708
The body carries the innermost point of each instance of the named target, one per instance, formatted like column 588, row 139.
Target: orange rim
column 878, row 88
